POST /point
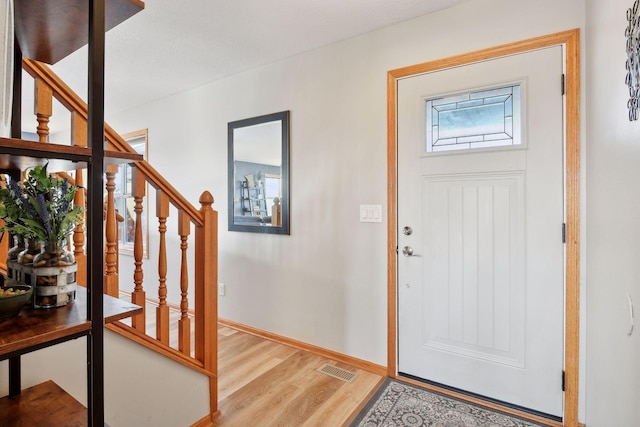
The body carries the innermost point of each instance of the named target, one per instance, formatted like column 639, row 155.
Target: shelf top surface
column 19, row 154
column 49, row 30
column 43, row 404
column 33, row 327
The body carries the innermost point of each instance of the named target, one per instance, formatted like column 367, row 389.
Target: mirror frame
column 283, row 117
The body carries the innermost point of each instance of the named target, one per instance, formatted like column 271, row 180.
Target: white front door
column 481, row 280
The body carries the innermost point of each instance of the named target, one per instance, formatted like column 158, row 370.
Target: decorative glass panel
column 480, row 119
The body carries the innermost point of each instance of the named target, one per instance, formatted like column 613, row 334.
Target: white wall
column 613, row 230
column 326, row 283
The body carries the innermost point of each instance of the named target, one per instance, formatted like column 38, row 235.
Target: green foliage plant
column 40, row 206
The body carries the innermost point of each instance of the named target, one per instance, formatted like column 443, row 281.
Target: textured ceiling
column 173, row 46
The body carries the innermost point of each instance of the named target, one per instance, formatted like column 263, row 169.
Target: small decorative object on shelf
column 30, row 248
column 53, row 254
column 12, row 299
column 40, row 208
column 53, row 286
column 18, row 246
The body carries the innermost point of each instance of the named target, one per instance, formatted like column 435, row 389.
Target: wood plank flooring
column 263, row 383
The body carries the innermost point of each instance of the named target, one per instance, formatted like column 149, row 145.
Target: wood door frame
column 570, row 41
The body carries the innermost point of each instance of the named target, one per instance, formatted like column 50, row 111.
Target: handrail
column 67, row 97
column 202, row 318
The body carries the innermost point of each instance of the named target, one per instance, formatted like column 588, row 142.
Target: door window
column 477, row 119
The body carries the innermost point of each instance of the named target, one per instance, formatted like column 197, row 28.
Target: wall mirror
column 258, row 165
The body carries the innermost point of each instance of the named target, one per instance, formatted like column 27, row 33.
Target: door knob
column 408, row 251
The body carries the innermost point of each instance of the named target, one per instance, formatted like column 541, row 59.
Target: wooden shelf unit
column 48, row 30
column 34, row 329
column 47, row 403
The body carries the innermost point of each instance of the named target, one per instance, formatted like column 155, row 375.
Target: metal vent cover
column 339, row 373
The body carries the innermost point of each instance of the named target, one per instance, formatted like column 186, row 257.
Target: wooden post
column 79, row 138
column 138, row 296
column 184, row 324
column 43, row 106
column 111, row 236
column 162, row 311
column 206, row 297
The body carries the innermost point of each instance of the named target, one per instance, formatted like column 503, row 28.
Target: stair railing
column 197, row 326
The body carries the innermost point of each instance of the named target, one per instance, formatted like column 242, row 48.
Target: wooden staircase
column 197, row 233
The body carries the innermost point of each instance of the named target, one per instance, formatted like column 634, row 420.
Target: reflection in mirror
column 259, row 174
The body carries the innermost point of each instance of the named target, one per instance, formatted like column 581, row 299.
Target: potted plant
column 40, row 209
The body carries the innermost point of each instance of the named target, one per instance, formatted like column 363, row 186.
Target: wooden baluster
column 206, row 295
column 138, row 296
column 111, row 236
column 79, row 138
column 184, row 325
column 162, row 311
column 119, row 219
column 78, row 234
column 43, row 106
column 116, row 249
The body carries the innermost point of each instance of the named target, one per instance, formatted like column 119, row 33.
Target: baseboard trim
column 207, row 421
column 358, row 363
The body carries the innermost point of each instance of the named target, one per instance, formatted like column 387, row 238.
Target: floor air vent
column 341, row 374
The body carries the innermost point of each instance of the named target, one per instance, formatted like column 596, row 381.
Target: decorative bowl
column 11, row 302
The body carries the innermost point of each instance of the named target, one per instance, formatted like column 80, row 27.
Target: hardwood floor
column 263, row 383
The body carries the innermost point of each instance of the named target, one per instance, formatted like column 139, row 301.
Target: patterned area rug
column 398, row 404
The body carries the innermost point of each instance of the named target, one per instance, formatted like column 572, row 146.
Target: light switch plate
column 370, row 213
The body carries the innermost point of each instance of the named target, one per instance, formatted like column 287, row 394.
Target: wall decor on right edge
column 632, row 34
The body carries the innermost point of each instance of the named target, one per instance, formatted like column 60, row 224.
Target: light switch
column 370, row 213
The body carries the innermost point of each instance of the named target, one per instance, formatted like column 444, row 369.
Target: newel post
column 205, row 296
